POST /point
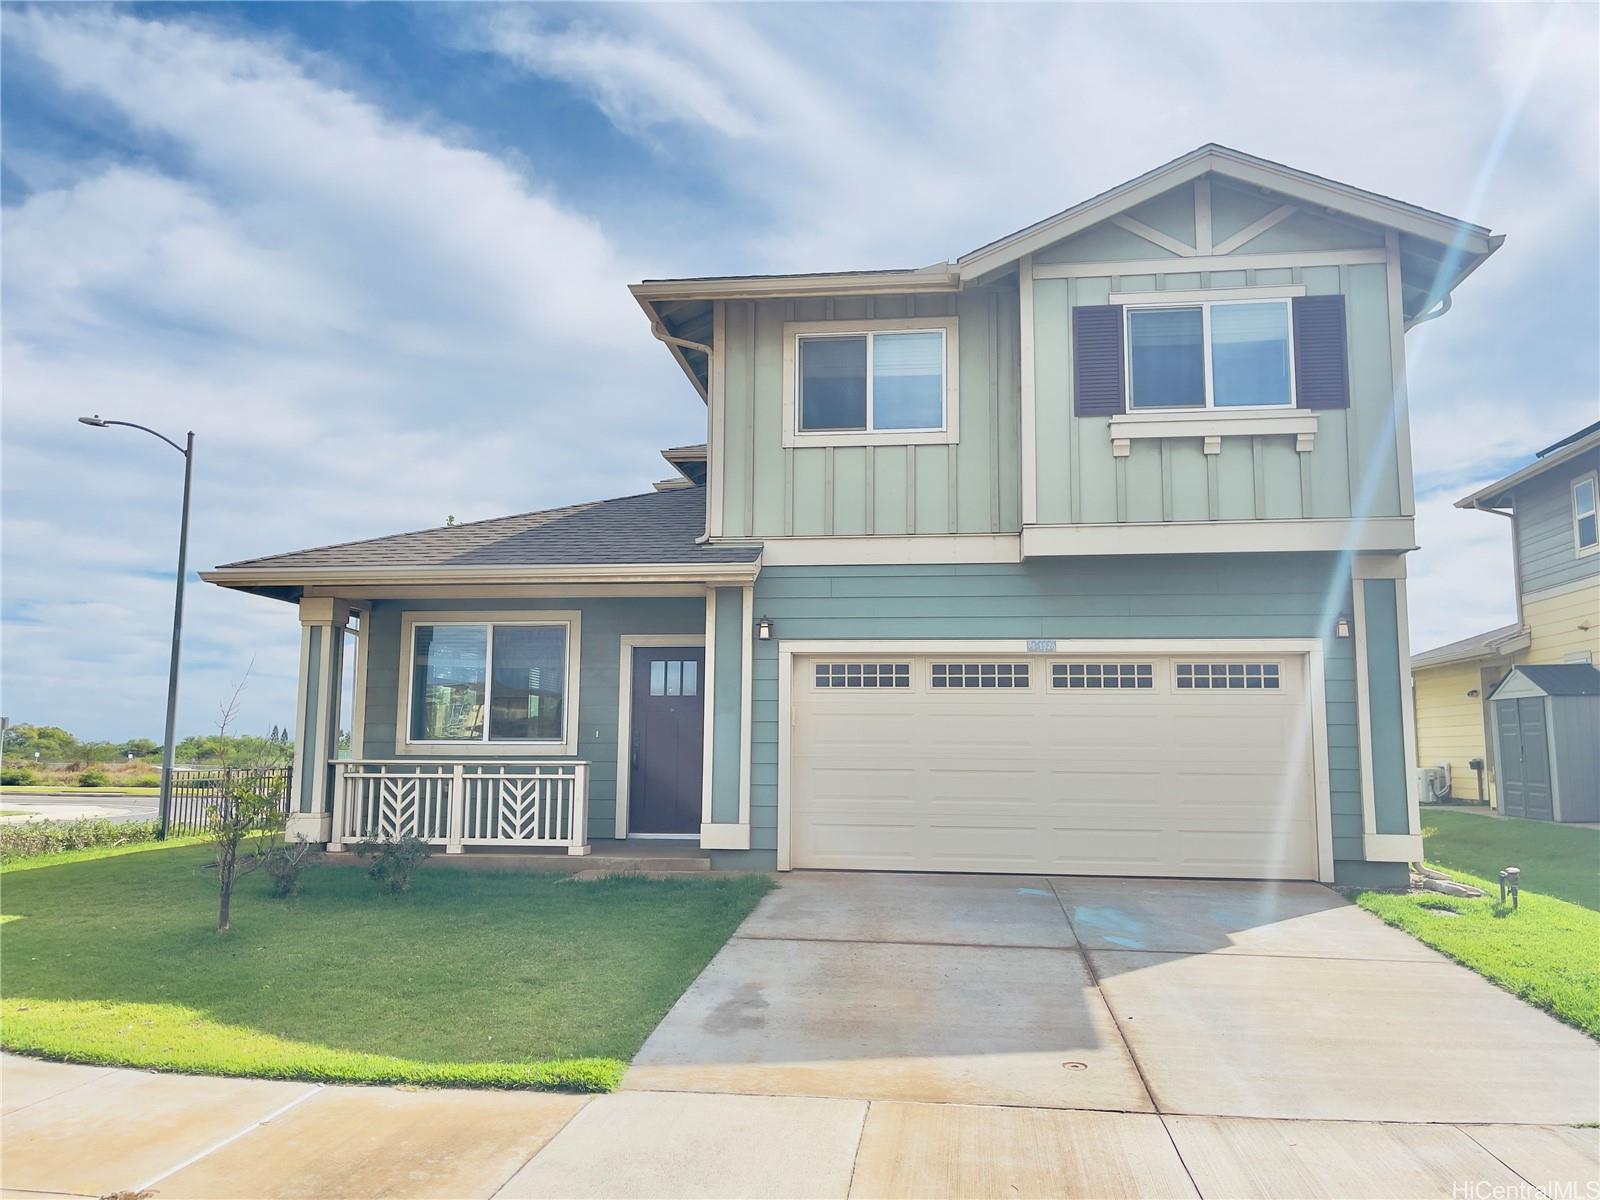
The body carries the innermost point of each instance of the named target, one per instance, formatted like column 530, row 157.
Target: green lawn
column 481, row 978
column 1548, row 950
column 56, row 789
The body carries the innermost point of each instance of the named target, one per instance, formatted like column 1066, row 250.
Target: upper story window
column 1223, row 354
column 870, row 383
column 1585, row 517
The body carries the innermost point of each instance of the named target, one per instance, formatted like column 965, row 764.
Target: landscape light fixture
column 187, row 450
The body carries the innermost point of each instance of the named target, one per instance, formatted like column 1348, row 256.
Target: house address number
column 1041, row 645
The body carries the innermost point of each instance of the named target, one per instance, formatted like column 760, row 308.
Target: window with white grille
column 1103, row 676
column 980, row 675
column 864, row 675
column 1233, row 676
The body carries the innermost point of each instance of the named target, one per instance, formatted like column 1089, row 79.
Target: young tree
column 244, row 808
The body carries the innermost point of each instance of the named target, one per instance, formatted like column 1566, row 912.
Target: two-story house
column 1555, row 548
column 1082, row 553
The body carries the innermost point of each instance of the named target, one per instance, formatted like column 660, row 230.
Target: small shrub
column 284, row 865
column 33, row 838
column 393, row 862
column 16, row 777
column 142, row 781
column 93, row 777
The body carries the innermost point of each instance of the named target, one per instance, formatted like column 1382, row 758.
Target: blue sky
column 376, row 257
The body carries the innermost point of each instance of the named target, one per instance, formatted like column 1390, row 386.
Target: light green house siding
column 769, row 490
column 604, row 621
column 731, row 639
column 1382, row 636
column 1243, row 596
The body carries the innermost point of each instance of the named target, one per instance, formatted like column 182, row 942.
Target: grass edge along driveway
column 475, row 978
column 1547, row 952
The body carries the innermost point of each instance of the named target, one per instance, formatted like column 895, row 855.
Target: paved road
column 38, row 806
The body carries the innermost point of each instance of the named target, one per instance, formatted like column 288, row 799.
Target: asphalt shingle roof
column 653, row 528
column 1564, row 679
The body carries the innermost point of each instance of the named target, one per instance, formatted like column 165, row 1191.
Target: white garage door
column 1175, row 765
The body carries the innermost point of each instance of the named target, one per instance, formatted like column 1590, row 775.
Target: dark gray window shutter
column 1321, row 366
column 1097, row 360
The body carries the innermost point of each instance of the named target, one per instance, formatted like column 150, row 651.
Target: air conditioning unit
column 1433, row 783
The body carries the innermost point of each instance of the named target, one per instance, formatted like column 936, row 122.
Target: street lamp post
column 187, row 450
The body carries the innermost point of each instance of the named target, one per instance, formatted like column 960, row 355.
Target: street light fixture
column 187, row 450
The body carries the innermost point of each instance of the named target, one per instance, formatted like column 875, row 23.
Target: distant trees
column 55, row 745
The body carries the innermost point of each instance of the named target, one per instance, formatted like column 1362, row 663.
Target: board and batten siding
column 1547, row 552
column 972, row 486
column 1232, row 596
column 604, row 621
column 1353, row 469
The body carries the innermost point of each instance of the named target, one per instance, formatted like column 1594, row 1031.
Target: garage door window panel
column 990, row 675
column 1093, row 676
column 863, row 675
column 1228, row 676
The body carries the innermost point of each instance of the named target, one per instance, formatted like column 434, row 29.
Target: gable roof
column 1574, row 445
column 655, row 534
column 1506, row 640
column 1560, row 679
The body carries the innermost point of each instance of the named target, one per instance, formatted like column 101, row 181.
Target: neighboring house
column 1555, row 548
column 1082, row 553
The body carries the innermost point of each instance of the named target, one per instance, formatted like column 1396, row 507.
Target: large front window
column 1228, row 354
column 488, row 682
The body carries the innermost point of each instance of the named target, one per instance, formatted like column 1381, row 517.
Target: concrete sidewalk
column 87, row 1131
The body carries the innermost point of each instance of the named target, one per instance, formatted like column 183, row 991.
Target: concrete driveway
column 906, row 1035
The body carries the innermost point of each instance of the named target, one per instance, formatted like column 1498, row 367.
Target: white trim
column 1369, row 803
column 1213, row 424
column 716, row 407
column 302, row 738
column 1408, row 708
column 526, row 591
column 1275, row 291
column 1374, row 535
column 1561, row 589
column 950, row 422
column 887, row 548
column 566, row 747
column 1025, row 336
column 1102, row 269
column 1400, row 396
column 708, row 747
column 1202, row 216
column 1205, row 305
column 1378, row 566
column 725, row 836
column 1239, row 167
column 1154, row 236
column 1593, row 480
column 730, row 573
column 1255, row 229
column 1391, row 847
column 358, row 717
column 746, row 673
column 626, row 645
column 1316, row 698
column 940, row 277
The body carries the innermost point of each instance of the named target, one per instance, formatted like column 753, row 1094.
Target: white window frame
column 1191, row 300
column 1593, row 480
column 565, row 746
column 949, row 429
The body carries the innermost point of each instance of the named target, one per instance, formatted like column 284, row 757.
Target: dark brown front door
column 667, row 740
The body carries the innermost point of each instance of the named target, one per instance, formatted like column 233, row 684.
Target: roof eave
column 1512, row 643
column 1487, row 497
column 941, row 277
column 1369, row 206
column 258, row 577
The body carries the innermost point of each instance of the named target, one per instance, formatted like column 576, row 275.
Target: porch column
column 322, row 622
column 729, row 633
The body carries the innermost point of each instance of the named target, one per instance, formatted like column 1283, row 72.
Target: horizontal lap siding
column 1258, row 596
column 604, row 622
column 1546, row 546
column 1450, row 723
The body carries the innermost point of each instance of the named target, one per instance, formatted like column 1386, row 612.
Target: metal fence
column 197, row 790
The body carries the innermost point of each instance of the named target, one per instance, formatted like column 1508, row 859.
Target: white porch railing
column 462, row 804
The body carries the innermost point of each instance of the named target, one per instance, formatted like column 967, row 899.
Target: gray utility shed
column 1547, row 742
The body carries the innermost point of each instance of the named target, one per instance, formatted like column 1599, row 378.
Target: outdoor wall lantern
column 1341, row 627
column 764, row 630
